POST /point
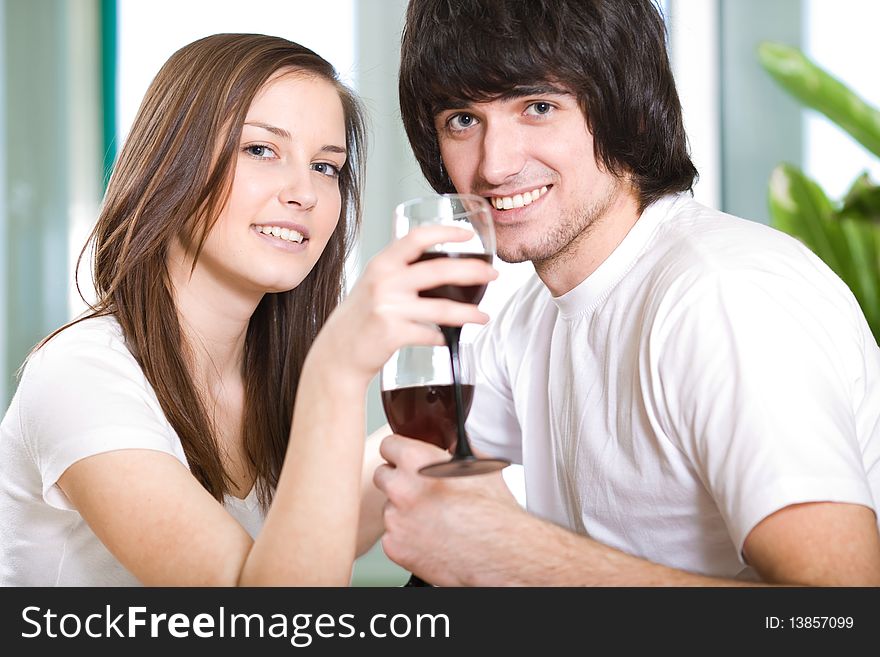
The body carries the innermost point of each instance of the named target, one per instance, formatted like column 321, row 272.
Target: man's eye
column 460, row 121
column 539, row 108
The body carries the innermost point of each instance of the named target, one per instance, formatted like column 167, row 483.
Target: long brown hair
column 171, row 180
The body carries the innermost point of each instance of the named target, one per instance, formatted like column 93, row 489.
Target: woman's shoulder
column 97, row 331
column 82, row 379
column 93, row 343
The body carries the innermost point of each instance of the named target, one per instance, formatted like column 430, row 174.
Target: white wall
column 841, row 36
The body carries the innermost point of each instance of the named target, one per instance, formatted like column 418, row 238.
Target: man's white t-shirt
column 709, row 373
column 81, row 394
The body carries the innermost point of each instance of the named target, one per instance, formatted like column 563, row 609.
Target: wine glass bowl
column 465, row 211
column 418, row 393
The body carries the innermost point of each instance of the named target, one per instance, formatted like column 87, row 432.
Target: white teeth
column 287, row 234
column 517, row 200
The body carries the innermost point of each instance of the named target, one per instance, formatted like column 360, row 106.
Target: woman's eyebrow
column 275, row 130
column 284, row 134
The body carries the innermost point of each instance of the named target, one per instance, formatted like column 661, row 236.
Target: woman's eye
column 539, row 108
column 460, row 122
column 326, row 168
column 259, row 151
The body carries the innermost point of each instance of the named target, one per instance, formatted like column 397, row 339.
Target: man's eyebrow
column 535, row 90
column 519, row 91
column 284, row 134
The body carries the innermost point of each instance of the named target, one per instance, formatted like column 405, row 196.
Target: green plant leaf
column 847, row 241
column 863, row 239
column 799, row 207
column 815, row 88
column 862, row 201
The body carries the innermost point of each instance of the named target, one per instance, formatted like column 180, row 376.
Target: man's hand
column 446, row 530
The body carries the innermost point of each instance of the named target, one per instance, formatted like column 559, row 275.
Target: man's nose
column 502, row 154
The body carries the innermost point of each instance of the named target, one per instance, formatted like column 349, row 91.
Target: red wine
column 462, row 293
column 426, row 412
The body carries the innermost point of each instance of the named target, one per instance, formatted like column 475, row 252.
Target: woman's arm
column 370, row 525
column 167, row 530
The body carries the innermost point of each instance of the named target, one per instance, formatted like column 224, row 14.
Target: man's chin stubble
column 561, row 246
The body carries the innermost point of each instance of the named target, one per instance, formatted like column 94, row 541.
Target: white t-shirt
column 82, row 394
column 710, row 372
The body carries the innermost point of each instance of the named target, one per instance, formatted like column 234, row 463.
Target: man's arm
column 471, row 532
column 820, row 543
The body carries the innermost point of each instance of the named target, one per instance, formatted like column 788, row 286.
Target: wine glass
column 419, row 398
column 418, row 393
column 474, row 214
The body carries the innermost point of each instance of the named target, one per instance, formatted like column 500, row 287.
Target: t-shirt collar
column 586, row 294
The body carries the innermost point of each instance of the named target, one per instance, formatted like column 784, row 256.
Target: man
column 695, row 398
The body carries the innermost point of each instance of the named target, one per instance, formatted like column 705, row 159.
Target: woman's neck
column 214, row 320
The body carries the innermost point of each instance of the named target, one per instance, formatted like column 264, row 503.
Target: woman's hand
column 384, row 311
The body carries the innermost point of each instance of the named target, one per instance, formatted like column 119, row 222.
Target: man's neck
column 584, row 254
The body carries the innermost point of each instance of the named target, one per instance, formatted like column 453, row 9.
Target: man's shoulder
column 697, row 241
column 716, row 230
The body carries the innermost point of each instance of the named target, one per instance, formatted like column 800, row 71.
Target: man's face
column 531, row 155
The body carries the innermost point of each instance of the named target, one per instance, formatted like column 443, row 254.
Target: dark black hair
column 611, row 54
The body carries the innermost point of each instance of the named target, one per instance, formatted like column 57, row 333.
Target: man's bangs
column 477, row 82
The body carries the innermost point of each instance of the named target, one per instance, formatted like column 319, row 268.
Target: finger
column 389, row 450
column 428, row 274
column 382, row 476
column 409, row 247
column 441, row 312
column 425, row 334
column 409, row 453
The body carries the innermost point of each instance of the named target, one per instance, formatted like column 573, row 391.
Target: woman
column 155, row 440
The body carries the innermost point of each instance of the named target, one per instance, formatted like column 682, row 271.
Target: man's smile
column 517, row 200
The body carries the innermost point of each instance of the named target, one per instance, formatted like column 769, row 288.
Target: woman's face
column 285, row 201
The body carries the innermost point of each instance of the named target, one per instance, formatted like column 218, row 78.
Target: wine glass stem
column 452, row 335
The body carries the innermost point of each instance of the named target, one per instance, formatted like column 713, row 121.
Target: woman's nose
column 298, row 189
